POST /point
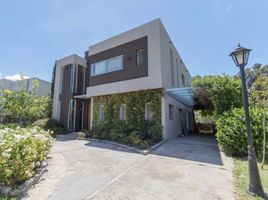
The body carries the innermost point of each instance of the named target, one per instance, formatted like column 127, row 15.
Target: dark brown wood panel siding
column 130, row 68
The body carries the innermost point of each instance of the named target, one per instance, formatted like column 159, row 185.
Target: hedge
column 21, row 152
column 232, row 134
column 135, row 131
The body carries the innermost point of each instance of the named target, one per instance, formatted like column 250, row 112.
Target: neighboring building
column 143, row 58
column 28, row 83
column 43, row 89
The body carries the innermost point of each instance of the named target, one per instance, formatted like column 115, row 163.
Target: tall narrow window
column 73, row 81
column 71, row 114
column 140, row 57
column 84, row 80
column 148, row 112
column 61, row 79
column 177, row 72
column 171, row 111
column 183, row 80
column 122, row 112
column 101, row 113
column 171, row 67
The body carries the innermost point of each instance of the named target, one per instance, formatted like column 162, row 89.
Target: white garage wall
column 172, row 128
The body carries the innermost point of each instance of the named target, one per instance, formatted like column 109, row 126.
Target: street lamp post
column 240, row 58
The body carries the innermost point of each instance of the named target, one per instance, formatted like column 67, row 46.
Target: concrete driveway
column 184, row 168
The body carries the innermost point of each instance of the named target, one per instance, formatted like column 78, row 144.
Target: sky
column 34, row 34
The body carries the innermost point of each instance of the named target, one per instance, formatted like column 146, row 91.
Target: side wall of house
column 173, row 67
column 173, row 127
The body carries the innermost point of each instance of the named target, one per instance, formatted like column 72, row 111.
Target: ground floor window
column 171, row 111
column 71, row 114
column 148, row 112
column 122, row 112
column 101, row 113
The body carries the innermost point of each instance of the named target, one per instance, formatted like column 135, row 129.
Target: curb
column 133, row 149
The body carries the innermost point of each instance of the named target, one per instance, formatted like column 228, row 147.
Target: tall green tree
column 259, row 98
column 254, row 72
column 24, row 106
column 52, row 90
column 217, row 93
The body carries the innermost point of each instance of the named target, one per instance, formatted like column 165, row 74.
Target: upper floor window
column 140, row 57
column 74, row 76
column 61, row 79
column 171, row 66
column 177, row 72
column 183, row 80
column 122, row 113
column 110, row 65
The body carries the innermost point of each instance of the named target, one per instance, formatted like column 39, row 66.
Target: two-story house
column 143, row 58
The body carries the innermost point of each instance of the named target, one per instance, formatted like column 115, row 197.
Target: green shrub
column 232, row 134
column 8, row 125
column 118, row 130
column 155, row 132
column 101, row 131
column 51, row 125
column 21, row 151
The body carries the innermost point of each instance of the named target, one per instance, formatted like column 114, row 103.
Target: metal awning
column 184, row 95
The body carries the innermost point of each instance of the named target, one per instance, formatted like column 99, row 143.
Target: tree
column 217, row 93
column 254, row 72
column 259, row 97
column 24, row 107
column 52, row 90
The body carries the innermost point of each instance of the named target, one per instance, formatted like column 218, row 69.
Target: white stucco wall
column 72, row 59
column 153, row 80
column 172, row 127
column 159, row 71
column 167, row 44
column 5, row 84
column 43, row 89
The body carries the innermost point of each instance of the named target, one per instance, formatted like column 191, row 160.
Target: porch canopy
column 184, row 95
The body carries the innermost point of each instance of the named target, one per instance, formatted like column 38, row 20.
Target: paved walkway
column 184, row 168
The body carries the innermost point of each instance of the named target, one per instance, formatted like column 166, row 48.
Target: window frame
column 183, row 80
column 123, row 112
column 147, row 115
column 106, row 65
column 138, row 57
column 171, row 111
column 171, row 57
column 101, row 113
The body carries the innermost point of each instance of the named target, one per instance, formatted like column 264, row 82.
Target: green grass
column 241, row 179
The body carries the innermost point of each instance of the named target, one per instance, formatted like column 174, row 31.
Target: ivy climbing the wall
column 135, row 130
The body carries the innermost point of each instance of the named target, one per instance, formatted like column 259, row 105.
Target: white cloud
column 16, row 77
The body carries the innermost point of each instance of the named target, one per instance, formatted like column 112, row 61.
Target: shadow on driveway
column 196, row 147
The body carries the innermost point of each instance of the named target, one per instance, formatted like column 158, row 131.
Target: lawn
column 241, row 179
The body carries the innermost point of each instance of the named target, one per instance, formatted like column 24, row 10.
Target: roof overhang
column 184, row 95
